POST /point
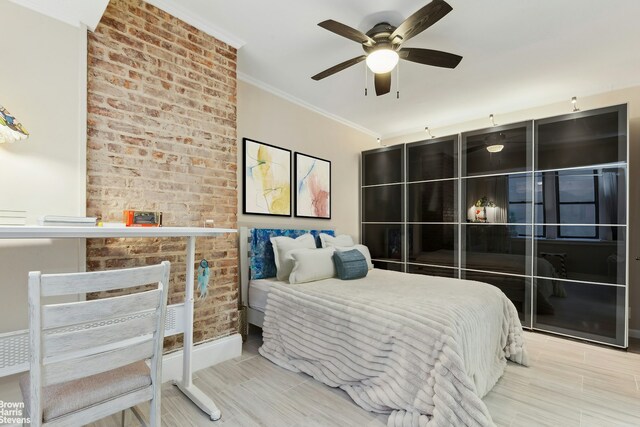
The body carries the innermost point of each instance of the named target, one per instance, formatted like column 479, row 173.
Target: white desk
column 186, row 384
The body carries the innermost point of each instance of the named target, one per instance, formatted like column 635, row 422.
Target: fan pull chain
column 366, row 79
column 398, row 81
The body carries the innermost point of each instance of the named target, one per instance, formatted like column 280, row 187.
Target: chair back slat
column 73, row 313
column 99, row 281
column 69, row 370
column 71, row 341
column 98, row 337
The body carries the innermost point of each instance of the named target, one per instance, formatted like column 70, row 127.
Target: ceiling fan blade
column 383, row 83
column 421, row 20
column 341, row 66
column 346, row 31
column 435, row 58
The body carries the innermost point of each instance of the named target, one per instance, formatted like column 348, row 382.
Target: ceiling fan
column 383, row 45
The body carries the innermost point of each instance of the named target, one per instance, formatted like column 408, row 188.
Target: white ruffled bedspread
column 423, row 349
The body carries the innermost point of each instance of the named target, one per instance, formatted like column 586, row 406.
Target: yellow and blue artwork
column 267, row 179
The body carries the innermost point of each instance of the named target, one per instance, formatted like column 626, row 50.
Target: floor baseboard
column 634, row 333
column 204, row 355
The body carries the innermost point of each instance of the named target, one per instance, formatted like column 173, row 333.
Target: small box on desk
column 142, row 218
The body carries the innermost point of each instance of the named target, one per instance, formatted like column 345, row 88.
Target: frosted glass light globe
column 382, row 61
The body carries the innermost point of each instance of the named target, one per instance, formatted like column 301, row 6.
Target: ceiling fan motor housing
column 380, row 33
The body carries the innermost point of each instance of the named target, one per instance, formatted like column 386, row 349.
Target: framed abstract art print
column 313, row 187
column 267, row 179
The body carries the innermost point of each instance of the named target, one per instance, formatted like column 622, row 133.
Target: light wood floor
column 568, row 384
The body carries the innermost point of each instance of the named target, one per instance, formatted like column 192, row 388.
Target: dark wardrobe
column 538, row 209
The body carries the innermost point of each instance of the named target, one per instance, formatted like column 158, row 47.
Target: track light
column 426, row 129
column 574, row 101
column 493, row 122
column 378, row 139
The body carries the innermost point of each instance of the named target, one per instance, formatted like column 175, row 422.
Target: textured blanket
column 423, row 349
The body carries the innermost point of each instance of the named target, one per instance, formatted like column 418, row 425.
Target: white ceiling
column 517, row 54
column 73, row 12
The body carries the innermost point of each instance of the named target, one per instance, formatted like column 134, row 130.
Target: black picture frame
column 297, row 198
column 245, row 164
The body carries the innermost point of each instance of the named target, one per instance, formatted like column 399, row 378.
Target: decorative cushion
column 361, row 248
column 262, row 259
column 311, row 265
column 282, row 246
column 350, row 264
column 340, row 240
column 64, row 398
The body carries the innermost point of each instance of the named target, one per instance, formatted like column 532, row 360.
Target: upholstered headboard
column 256, row 253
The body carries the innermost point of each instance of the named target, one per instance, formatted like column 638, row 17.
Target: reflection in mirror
column 588, row 138
column 600, row 260
column 499, row 248
column 432, row 159
column 581, row 310
column 433, row 244
column 393, row 266
column 580, row 196
column 383, row 203
column 515, row 288
column 383, row 240
column 498, row 199
column 497, row 150
column 433, row 201
column 383, row 166
column 432, row 271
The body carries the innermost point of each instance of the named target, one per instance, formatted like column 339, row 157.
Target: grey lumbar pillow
column 350, row 264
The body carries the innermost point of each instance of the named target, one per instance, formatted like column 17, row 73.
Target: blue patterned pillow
column 350, row 264
column 262, row 260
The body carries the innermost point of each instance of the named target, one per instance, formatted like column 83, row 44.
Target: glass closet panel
column 497, row 211
column 383, row 206
column 432, row 217
column 580, row 268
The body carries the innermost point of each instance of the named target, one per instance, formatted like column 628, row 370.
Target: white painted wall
column 42, row 83
column 268, row 118
column 630, row 96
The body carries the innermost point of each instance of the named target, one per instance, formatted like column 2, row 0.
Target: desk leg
column 186, row 386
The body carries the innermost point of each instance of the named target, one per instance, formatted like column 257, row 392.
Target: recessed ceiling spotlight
column 495, row 148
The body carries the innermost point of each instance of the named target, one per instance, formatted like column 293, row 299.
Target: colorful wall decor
column 267, row 179
column 313, row 187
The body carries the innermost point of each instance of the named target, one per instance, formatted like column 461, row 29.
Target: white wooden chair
column 88, row 358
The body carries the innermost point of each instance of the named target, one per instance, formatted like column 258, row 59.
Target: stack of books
column 67, row 221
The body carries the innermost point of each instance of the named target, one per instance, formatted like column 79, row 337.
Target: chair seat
column 64, row 398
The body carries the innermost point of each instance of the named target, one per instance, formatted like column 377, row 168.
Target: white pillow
column 310, row 265
column 362, row 248
column 340, row 240
column 282, row 245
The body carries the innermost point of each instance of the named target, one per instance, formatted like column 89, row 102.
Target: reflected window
column 577, row 203
column 518, row 200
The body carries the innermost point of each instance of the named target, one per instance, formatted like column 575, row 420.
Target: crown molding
column 281, row 94
column 174, row 8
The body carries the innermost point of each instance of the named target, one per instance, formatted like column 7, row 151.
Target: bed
column 423, row 349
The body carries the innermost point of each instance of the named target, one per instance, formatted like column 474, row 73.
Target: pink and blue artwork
column 313, row 187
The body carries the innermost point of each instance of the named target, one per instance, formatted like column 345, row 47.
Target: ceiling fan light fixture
column 382, row 61
column 495, row 148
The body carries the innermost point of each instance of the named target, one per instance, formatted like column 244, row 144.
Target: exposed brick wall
column 162, row 136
